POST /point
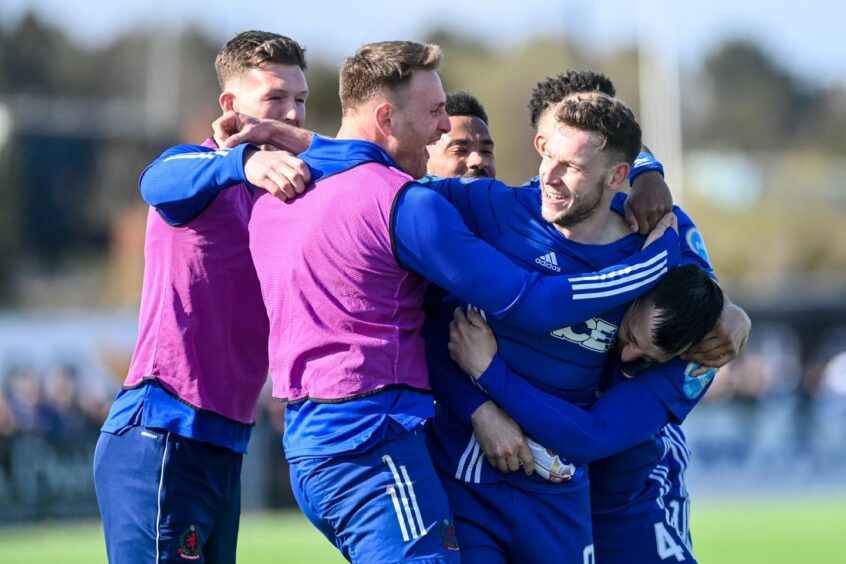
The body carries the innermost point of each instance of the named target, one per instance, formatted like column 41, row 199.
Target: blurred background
column 744, row 103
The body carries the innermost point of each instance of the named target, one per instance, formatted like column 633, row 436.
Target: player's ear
column 227, row 101
column 383, row 114
column 619, row 175
column 540, row 143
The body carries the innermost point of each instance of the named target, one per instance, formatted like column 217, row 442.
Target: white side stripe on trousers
column 470, row 463
column 408, row 501
column 392, row 492
column 159, row 500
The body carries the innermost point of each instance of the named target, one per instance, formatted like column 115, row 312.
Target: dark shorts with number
column 654, row 537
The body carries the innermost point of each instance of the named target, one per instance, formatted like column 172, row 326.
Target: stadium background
column 744, row 106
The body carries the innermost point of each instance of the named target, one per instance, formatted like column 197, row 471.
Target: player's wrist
column 289, row 137
column 645, row 162
column 478, row 370
column 482, row 411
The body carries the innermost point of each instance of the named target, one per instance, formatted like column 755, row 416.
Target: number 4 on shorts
column 667, row 545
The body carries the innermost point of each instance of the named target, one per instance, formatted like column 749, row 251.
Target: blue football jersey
column 639, row 501
column 565, row 362
column 635, row 478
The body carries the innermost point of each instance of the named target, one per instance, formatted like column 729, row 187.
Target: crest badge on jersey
column 694, row 385
column 697, row 243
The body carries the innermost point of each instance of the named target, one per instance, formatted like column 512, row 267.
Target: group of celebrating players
column 472, row 372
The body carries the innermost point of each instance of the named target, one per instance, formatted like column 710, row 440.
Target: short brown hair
column 609, row 118
column 251, row 49
column 383, row 65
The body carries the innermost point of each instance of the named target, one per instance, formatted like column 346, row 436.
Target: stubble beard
column 583, row 208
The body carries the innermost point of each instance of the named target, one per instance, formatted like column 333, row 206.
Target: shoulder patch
column 694, row 385
column 697, row 244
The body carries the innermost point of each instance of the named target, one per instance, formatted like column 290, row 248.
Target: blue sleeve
column 674, row 385
column 451, row 387
column 430, row 238
column 475, row 199
column 624, row 416
column 455, row 391
column 692, row 244
column 185, row 179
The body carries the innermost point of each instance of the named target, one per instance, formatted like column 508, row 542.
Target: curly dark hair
column 553, row 89
column 465, row 104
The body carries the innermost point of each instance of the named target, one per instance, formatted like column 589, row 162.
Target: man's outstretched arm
column 430, row 238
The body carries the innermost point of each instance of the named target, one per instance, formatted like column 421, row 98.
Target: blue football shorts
column 385, row 504
column 164, row 497
column 499, row 523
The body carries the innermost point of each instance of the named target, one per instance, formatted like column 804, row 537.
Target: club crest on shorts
column 448, row 538
column 190, row 547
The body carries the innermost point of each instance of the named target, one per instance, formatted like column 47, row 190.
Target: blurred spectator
column 769, row 367
column 57, row 403
column 95, row 404
column 29, row 412
column 61, row 395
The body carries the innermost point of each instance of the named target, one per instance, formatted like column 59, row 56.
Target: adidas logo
column 549, row 261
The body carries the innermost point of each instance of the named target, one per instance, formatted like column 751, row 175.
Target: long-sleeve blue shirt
column 565, row 363
column 434, row 234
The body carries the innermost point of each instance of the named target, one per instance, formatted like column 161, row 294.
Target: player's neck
column 602, row 227
column 353, row 127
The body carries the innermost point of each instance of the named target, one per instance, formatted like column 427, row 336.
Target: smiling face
column 467, row 150
column 574, row 175
column 272, row 91
column 417, row 118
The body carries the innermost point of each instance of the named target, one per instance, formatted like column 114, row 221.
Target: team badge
column 190, row 547
column 448, row 538
column 694, row 385
column 697, row 243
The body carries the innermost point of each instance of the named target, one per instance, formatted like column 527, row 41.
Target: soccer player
column 167, row 465
column 639, row 500
column 648, row 394
column 574, row 219
column 467, row 149
column 342, row 270
column 502, row 454
column 267, row 132
column 652, row 199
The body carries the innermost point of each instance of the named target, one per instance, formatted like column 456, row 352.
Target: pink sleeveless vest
column 202, row 329
column 345, row 318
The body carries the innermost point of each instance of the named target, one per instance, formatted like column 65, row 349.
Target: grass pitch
column 725, row 531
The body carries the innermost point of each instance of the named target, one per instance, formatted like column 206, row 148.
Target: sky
column 806, row 37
